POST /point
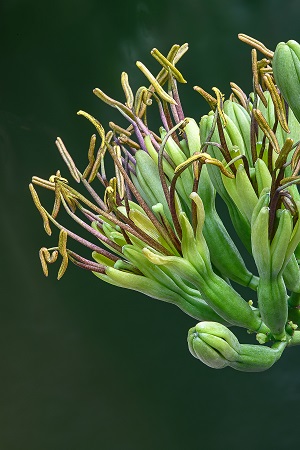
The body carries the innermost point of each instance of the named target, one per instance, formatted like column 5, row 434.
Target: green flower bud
column 216, row 346
column 148, row 178
column 280, row 242
column 184, row 183
column 273, row 305
column 193, row 135
column 213, row 344
column 291, row 275
column 242, row 193
column 154, row 156
column 286, row 68
column 260, row 242
column 263, row 176
column 241, row 118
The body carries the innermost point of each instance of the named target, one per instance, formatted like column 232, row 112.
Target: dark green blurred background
column 85, row 365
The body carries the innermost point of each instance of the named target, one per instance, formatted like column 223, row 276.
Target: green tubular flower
column 155, row 227
column 185, row 180
column 223, row 252
column 242, row 193
column 155, row 287
column 217, row 347
column 220, row 296
column 271, row 259
column 238, row 220
column 291, row 275
column 148, row 179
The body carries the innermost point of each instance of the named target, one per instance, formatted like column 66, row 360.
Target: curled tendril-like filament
column 256, row 44
column 41, row 210
column 47, row 258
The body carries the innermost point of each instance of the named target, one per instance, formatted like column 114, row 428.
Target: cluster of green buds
column 157, row 223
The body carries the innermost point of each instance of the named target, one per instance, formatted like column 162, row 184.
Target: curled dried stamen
column 41, row 210
column 295, row 162
column 289, row 203
column 283, row 155
column 119, row 176
column 141, row 100
column 277, row 101
column 57, row 176
column 62, row 248
column 209, row 98
column 181, row 51
column 101, row 152
column 240, row 94
column 176, row 52
column 96, row 124
column 110, row 101
column 256, row 44
column 127, row 90
column 68, row 159
column 288, row 181
column 123, row 139
column 204, row 158
column 220, row 100
column 159, row 90
column 110, row 195
column 117, row 129
column 57, row 201
column 43, row 262
column 265, row 127
column 47, row 258
column 256, row 85
column 47, row 184
column 91, row 156
column 167, row 65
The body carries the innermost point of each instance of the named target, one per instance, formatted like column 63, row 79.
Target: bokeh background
column 84, row 365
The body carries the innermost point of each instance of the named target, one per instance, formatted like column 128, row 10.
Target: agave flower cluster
column 157, row 230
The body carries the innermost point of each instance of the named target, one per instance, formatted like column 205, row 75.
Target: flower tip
column 193, row 195
column 48, row 230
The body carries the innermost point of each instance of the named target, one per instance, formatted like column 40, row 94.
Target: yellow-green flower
column 154, row 226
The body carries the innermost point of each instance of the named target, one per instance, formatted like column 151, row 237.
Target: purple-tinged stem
column 90, row 229
column 83, row 241
column 163, row 116
column 85, row 263
column 146, row 130
column 94, row 195
column 178, row 106
column 136, row 129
